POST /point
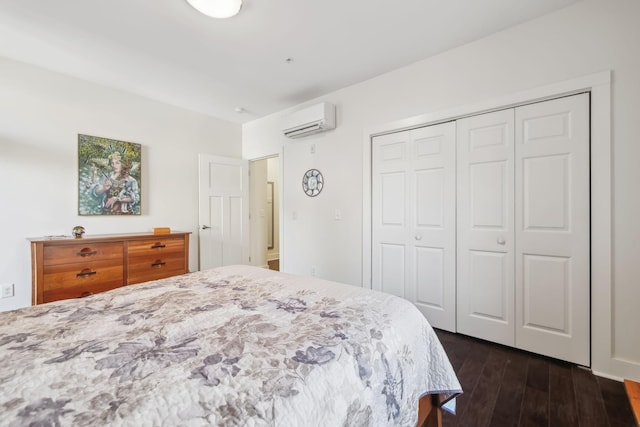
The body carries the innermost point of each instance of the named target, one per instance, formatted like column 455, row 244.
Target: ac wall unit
column 310, row 120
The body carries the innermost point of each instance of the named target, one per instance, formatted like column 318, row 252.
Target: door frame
column 603, row 359
column 251, row 207
column 281, row 203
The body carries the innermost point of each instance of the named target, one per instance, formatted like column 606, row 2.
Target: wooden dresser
column 67, row 267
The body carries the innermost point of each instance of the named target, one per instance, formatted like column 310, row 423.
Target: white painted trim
column 556, row 90
column 603, row 354
column 603, row 359
column 366, row 209
column 605, row 375
column 274, row 256
column 280, row 155
column 282, row 212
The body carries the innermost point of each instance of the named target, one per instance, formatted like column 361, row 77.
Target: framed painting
column 109, row 174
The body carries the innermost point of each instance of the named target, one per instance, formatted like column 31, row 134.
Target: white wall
column 586, row 38
column 257, row 206
column 41, row 115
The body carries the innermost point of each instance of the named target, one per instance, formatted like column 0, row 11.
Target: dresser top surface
column 62, row 239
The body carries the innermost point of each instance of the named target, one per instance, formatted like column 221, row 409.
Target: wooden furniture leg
column 633, row 392
column 429, row 413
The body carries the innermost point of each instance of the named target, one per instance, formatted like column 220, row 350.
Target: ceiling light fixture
column 217, row 8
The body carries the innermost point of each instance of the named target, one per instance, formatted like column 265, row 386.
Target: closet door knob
column 501, row 241
column 418, row 237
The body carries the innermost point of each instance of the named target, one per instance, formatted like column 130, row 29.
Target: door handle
column 417, row 237
column 204, row 227
column 501, row 241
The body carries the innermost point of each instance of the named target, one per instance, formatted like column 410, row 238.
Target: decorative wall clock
column 312, row 182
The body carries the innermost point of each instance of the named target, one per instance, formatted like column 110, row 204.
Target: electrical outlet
column 313, row 271
column 7, row 290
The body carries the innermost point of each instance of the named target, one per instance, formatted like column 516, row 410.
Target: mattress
column 230, row 346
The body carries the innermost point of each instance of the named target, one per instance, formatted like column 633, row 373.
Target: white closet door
column 413, row 217
column 485, row 227
column 552, row 228
column 390, row 157
column 433, row 275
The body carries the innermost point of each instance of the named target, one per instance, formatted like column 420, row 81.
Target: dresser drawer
column 156, row 247
column 71, row 268
column 57, row 294
column 152, row 267
column 81, row 279
column 83, row 252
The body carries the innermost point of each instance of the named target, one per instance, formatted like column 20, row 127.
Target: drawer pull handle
column 85, row 294
column 86, row 252
column 84, row 273
column 158, row 264
column 158, row 246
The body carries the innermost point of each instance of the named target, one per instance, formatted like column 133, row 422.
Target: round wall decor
column 312, row 182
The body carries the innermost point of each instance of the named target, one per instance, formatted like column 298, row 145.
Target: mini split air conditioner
column 314, row 119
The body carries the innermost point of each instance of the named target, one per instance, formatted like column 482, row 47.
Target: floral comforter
column 230, row 346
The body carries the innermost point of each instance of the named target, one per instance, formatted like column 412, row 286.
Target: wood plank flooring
column 274, row 264
column 508, row 387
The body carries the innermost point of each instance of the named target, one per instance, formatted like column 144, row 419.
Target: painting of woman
column 109, row 173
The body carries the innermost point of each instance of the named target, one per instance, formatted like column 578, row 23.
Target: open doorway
column 265, row 212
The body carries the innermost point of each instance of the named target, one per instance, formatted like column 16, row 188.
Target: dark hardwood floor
column 274, row 264
column 508, row 387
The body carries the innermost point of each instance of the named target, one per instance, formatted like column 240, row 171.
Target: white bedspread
column 231, row 346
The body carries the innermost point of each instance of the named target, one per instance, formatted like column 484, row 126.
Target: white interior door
column 413, row 217
column 485, row 234
column 223, row 211
column 552, row 228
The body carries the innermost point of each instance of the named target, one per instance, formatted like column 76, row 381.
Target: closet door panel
column 546, row 287
column 545, row 190
column 552, row 228
column 488, row 286
column 485, row 237
column 488, row 186
column 390, row 156
column 430, row 277
column 413, row 208
column 434, row 276
column 392, row 199
column 392, row 270
column 430, row 189
column 391, row 251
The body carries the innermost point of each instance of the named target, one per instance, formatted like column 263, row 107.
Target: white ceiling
column 165, row 50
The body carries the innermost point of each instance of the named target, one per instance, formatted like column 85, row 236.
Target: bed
column 231, row 346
